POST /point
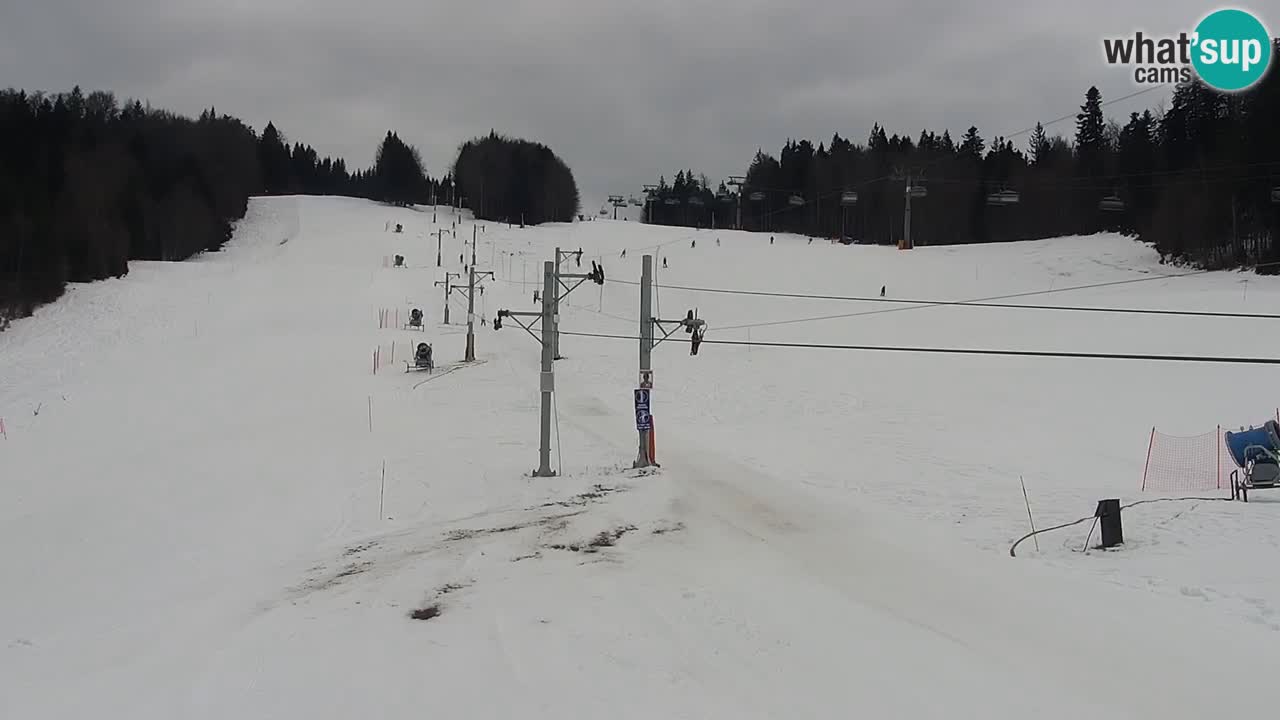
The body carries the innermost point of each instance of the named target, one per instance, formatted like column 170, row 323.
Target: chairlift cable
column 1199, row 359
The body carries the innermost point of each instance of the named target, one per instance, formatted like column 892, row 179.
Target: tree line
column 88, row 184
column 398, row 174
column 1199, row 180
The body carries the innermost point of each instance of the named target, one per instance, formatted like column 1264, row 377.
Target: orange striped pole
column 653, row 441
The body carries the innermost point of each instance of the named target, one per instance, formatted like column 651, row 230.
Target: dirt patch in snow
column 426, row 613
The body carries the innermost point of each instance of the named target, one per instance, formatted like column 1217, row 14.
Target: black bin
column 1108, row 514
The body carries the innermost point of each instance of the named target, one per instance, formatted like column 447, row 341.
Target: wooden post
column 1148, row 463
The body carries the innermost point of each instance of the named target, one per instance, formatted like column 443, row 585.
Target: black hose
column 1030, row 535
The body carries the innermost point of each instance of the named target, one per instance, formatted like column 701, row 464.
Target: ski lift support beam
column 678, row 324
column 515, row 317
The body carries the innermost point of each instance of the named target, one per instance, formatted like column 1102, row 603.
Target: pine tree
column 1091, row 137
column 972, row 143
column 273, row 156
column 1038, row 145
column 398, row 172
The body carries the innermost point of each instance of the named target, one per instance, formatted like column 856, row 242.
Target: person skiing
column 882, row 291
column 770, row 239
column 717, row 242
column 664, row 262
column 624, row 252
column 693, row 244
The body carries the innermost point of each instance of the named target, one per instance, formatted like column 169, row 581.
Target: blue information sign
column 644, row 421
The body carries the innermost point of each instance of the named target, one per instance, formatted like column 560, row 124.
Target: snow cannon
column 1253, row 444
column 1256, row 453
column 422, row 359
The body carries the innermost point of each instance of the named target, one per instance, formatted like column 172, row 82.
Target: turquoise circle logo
column 1232, row 50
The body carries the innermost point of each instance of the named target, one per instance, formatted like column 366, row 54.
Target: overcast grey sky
column 623, row 91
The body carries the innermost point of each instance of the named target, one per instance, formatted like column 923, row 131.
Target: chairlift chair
column 1275, row 194
column 415, row 320
column 1111, row 203
column 1003, row 198
column 795, row 201
column 757, row 196
column 848, row 197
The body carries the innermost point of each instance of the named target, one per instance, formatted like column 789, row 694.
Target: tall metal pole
column 646, row 347
column 439, row 235
column 547, row 378
column 471, row 316
column 448, row 290
column 555, row 317
column 906, row 220
column 471, row 302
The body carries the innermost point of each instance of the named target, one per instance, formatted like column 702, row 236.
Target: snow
column 191, row 480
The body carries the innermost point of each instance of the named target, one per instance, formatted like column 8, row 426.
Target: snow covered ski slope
column 212, row 507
